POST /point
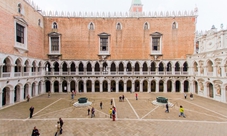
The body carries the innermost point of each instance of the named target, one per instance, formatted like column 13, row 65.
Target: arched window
column 55, row 26
column 145, row 26
column 39, row 22
column 118, row 26
column 91, row 26
column 19, row 8
column 174, row 25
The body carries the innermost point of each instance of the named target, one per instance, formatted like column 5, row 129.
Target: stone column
column 223, row 94
column 36, row 89
column 100, row 86
column 182, row 87
column 77, row 72
column 141, row 86
column 93, row 85
column 125, row 86
column 133, row 70
column 125, row 70
column 1, row 71
column 0, row 97
column 157, row 87
column 12, row 71
column 52, row 87
column 85, row 87
column 93, row 70
column 109, row 86
column 60, row 87
column 223, row 73
column 117, row 87
column 149, row 87
column 133, row 86
column 173, row 87
column 156, row 70
column 117, row 70
column 101, row 70
column 165, row 87
column 21, row 94
column 215, row 73
column 43, row 88
column 11, row 97
column 173, row 70
column 205, row 71
column 191, row 87
column 85, row 71
column 68, row 87
column 199, row 73
column 205, row 88
column 60, row 70
column 141, row 70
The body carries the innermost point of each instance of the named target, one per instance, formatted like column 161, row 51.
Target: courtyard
column 133, row 117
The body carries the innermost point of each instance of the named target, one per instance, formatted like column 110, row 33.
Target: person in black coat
column 35, row 132
column 31, row 111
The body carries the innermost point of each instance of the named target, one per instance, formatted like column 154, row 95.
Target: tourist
column 123, row 97
column 181, row 112
column 88, row 111
column 35, row 132
column 111, row 102
column 61, row 122
column 110, row 111
column 72, row 95
column 113, row 114
column 185, row 95
column 92, row 112
column 48, row 94
column 28, row 98
column 100, row 105
column 191, row 96
column 119, row 98
column 167, row 108
column 136, row 96
column 31, row 111
column 58, row 129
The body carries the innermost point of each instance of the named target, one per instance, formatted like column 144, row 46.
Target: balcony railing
column 210, row 73
column 137, row 72
column 26, row 73
column 6, row 74
column 33, row 73
column 17, row 74
column 64, row 73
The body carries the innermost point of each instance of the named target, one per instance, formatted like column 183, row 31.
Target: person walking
column 31, row 109
column 181, row 112
column 35, row 132
column 88, row 111
column 167, row 108
column 123, row 97
column 110, row 111
column 136, row 96
column 28, row 98
column 191, row 96
column 185, row 96
column 72, row 95
column 58, row 129
column 61, row 124
column 100, row 105
column 48, row 94
column 92, row 112
column 111, row 102
column 113, row 114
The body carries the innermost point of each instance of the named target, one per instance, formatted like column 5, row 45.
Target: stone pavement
column 204, row 117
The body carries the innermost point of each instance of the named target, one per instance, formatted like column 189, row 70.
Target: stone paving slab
column 134, row 117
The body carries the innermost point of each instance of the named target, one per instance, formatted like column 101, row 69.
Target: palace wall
column 35, row 32
column 132, row 42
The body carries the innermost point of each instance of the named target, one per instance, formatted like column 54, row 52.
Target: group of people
column 92, row 110
column 121, row 98
column 112, row 113
column 59, row 127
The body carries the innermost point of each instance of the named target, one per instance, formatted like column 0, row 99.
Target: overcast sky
column 211, row 12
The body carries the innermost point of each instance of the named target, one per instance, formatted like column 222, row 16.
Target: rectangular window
column 19, row 33
column 103, row 44
column 54, row 43
column 156, row 43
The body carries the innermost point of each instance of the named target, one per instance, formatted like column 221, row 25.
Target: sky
column 210, row 12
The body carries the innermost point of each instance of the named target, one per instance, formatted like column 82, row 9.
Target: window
column 55, row 26
column 174, row 25
column 118, row 26
column 104, row 44
column 91, row 26
column 19, row 33
column 19, row 8
column 156, row 43
column 146, row 26
column 54, row 43
column 39, row 22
